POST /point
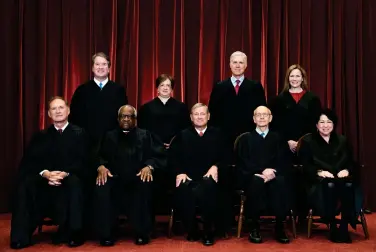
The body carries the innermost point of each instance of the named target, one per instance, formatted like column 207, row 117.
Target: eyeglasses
column 122, row 116
column 258, row 115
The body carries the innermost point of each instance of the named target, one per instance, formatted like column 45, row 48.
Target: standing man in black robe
column 50, row 178
column 197, row 154
column 95, row 103
column 237, row 97
column 129, row 156
column 261, row 163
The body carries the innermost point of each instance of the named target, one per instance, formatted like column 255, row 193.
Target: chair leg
column 293, row 223
column 170, row 223
column 309, row 223
column 241, row 216
column 364, row 224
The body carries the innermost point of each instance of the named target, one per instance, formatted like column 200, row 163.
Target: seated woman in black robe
column 329, row 168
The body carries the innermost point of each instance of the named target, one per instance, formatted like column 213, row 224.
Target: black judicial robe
column 256, row 153
column 34, row 198
column 164, row 120
column 232, row 113
column 48, row 150
column 293, row 120
column 96, row 110
column 193, row 155
column 317, row 154
column 126, row 154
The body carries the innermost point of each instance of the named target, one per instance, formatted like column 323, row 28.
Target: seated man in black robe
column 128, row 158
column 50, row 178
column 261, row 162
column 196, row 156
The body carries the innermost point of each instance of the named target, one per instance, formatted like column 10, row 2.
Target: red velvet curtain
column 47, row 47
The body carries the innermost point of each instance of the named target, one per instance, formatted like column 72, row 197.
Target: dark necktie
column 262, row 134
column 60, row 131
column 125, row 132
column 201, row 133
column 237, row 86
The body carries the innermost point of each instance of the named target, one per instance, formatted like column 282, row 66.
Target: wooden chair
column 243, row 198
column 358, row 202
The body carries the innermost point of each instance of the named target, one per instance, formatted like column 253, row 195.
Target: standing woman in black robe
column 164, row 116
column 295, row 110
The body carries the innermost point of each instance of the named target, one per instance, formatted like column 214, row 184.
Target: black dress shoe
column 107, row 242
column 254, row 236
column 208, row 240
column 19, row 245
column 76, row 239
column 281, row 236
column 142, row 240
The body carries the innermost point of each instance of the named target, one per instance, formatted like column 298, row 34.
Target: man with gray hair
column 233, row 101
column 128, row 158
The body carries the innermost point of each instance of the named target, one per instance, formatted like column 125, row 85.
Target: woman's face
column 165, row 89
column 295, row 78
column 324, row 126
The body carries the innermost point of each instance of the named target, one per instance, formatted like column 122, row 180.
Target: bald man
column 261, row 162
column 129, row 157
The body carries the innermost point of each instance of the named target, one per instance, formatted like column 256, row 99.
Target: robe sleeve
column 245, row 164
column 80, row 162
column 155, row 153
column 175, row 156
column 77, row 108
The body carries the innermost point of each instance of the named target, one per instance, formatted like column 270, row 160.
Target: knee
column 330, row 185
column 209, row 182
column 101, row 191
column 348, row 185
column 72, row 181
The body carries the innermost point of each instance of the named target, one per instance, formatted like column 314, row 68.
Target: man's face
column 100, row 67
column 262, row 117
column 165, row 89
column 58, row 111
column 238, row 65
column 127, row 118
column 200, row 116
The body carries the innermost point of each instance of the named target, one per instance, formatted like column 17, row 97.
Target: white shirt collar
column 265, row 131
column 203, row 131
column 103, row 82
column 164, row 100
column 233, row 80
column 63, row 128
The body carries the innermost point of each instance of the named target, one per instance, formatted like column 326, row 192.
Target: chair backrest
column 237, row 140
column 301, row 139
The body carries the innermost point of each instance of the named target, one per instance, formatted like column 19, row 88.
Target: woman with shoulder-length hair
column 294, row 112
column 328, row 164
column 295, row 108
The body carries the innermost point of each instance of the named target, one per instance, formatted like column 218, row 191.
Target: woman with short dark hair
column 329, row 167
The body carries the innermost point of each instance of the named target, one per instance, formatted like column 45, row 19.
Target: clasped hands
column 267, row 175
column 325, row 174
column 212, row 172
column 54, row 177
column 145, row 174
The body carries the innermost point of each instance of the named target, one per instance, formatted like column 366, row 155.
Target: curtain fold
column 47, row 48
